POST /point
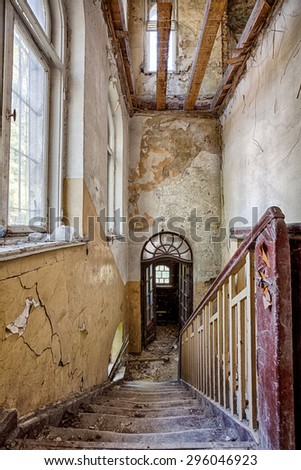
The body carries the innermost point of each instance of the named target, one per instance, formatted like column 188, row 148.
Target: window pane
column 152, row 51
column 153, row 13
column 27, row 138
column 38, row 7
column 162, row 274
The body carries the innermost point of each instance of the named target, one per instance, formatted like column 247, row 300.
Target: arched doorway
column 166, row 283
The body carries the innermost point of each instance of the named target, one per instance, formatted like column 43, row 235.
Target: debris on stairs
column 139, row 415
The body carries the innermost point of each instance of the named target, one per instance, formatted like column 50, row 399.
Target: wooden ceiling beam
column 213, row 15
column 118, row 15
column 164, row 12
column 237, row 62
column 118, row 30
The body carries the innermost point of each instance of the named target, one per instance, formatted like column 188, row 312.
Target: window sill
column 21, row 249
column 115, row 236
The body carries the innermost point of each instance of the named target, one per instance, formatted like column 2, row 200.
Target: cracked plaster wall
column 261, row 127
column 174, row 170
column 79, row 301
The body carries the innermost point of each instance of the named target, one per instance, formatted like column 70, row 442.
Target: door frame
column 163, row 247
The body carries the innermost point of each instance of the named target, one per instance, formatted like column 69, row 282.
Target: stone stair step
column 145, row 413
column 149, row 385
column 148, row 397
column 144, row 389
column 91, row 435
column 163, row 389
column 46, row 444
column 140, row 404
column 146, row 425
column 128, row 392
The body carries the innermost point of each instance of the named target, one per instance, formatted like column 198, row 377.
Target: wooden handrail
column 271, row 213
column 236, row 348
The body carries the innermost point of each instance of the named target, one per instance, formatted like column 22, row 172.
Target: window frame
column 151, row 27
column 51, row 52
column 19, row 26
column 111, row 174
column 115, row 158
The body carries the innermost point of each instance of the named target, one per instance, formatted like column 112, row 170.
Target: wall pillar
column 274, row 336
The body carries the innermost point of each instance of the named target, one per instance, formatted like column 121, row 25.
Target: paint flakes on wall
column 18, row 326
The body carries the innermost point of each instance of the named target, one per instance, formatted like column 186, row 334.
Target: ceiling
column 216, row 38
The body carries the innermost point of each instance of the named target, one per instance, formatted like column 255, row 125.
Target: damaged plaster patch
column 19, row 325
column 176, row 125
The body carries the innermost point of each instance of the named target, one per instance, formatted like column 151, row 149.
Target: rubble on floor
column 159, row 361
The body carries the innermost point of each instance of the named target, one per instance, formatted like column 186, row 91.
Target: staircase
column 140, row 415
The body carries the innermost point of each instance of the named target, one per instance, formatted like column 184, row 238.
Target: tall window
column 151, row 38
column 125, row 11
column 114, row 163
column 32, row 102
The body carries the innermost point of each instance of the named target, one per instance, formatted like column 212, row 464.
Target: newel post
column 274, row 334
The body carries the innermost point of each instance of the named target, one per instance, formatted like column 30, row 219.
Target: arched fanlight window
column 166, row 244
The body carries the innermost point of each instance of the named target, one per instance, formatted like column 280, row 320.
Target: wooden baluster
column 220, row 346
column 251, row 334
column 225, row 300
column 232, row 347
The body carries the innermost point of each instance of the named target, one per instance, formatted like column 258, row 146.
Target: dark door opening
column 167, row 293
column 166, row 283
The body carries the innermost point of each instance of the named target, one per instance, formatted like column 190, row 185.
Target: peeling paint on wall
column 60, row 342
column 18, row 326
column 175, row 172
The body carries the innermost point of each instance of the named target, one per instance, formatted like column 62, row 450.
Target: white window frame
column 115, row 150
column 150, row 66
column 111, row 162
column 51, row 52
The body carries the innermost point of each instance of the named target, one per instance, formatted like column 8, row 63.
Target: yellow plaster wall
column 199, row 290
column 67, row 341
column 134, row 309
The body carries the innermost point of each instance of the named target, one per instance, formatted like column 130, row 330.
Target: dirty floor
column 159, row 362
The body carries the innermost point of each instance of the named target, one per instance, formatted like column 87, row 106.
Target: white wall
column 261, row 126
column 91, row 64
column 74, row 167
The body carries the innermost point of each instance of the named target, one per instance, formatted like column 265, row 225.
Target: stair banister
column 236, row 348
